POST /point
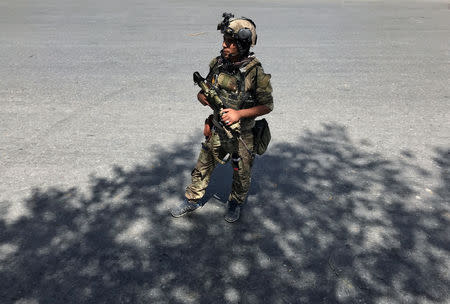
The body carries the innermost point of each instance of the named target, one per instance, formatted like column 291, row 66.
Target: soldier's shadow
column 219, row 186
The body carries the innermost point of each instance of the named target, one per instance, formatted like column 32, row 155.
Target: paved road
column 100, row 130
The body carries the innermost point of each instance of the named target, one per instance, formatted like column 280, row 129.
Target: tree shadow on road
column 326, row 222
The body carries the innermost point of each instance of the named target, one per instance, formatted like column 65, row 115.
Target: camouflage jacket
column 241, row 86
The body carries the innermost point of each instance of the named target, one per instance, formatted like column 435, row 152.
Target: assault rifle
column 216, row 103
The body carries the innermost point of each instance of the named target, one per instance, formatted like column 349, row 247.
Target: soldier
column 239, row 79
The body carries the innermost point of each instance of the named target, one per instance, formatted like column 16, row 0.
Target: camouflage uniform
column 240, row 86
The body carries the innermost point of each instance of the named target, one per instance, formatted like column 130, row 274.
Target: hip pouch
column 261, row 136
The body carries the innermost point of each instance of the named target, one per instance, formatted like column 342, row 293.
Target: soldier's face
column 229, row 47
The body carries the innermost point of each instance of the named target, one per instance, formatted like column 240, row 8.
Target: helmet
column 243, row 30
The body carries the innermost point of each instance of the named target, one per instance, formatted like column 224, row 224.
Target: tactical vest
column 234, row 88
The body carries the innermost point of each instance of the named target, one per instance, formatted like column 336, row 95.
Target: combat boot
column 185, row 207
column 233, row 211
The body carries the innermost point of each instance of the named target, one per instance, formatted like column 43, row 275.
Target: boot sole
column 231, row 221
column 183, row 214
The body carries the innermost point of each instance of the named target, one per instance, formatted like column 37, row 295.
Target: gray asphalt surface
column 100, row 129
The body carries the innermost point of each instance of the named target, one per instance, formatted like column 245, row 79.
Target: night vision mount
column 225, row 22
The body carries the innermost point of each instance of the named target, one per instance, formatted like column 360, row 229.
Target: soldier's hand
column 202, row 98
column 230, row 116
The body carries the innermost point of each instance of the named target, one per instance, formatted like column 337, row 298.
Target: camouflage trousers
column 216, row 148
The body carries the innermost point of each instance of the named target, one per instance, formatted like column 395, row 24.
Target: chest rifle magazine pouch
column 261, row 135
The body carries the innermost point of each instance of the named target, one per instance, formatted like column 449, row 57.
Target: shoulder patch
column 263, row 79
